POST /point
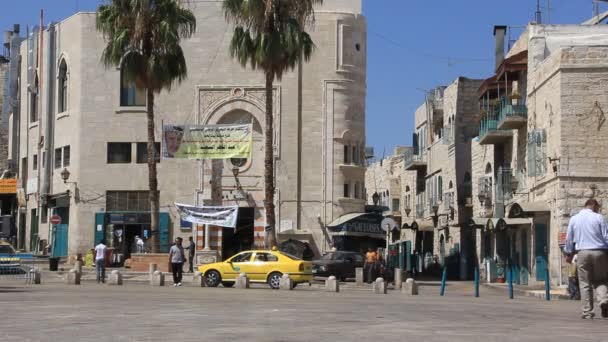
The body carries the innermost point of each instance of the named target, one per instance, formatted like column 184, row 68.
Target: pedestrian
column 573, row 286
column 139, row 243
column 589, row 231
column 177, row 258
column 191, row 249
column 369, row 268
column 100, row 262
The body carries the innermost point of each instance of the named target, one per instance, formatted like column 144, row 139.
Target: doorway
column 240, row 238
column 541, row 249
column 21, row 238
column 124, row 240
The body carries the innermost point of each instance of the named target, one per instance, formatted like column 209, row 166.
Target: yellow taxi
column 261, row 266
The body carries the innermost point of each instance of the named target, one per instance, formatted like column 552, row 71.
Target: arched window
column 62, row 98
column 130, row 94
column 451, row 185
column 488, row 168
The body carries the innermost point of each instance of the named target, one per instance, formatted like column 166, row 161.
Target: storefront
column 357, row 232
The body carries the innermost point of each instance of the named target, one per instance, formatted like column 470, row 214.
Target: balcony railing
column 484, row 190
column 489, row 123
column 512, row 116
column 414, row 161
column 489, row 132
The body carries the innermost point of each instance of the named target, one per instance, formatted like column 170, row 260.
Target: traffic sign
column 56, row 219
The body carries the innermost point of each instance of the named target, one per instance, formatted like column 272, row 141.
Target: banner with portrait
column 215, row 216
column 207, row 142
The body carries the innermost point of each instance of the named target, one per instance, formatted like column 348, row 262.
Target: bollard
column 198, row 280
column 359, row 276
column 476, row 281
column 547, row 284
column 35, row 276
column 398, row 278
column 444, row 277
column 332, row 284
column 78, row 266
column 152, row 268
column 379, row 286
column 286, row 283
column 158, row 279
column 410, row 287
column 115, row 278
column 72, row 277
column 510, row 280
column 242, row 281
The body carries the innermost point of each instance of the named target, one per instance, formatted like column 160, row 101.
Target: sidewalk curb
column 527, row 293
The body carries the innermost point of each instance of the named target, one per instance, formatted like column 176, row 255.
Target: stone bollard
column 153, row 268
column 398, row 278
column 359, row 276
column 72, row 277
column 158, row 279
column 35, row 276
column 198, row 280
column 242, row 281
column 410, row 287
column 332, row 284
column 115, row 278
column 286, row 283
column 379, row 286
column 78, row 266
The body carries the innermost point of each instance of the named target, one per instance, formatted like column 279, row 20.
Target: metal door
column 540, row 250
column 60, row 240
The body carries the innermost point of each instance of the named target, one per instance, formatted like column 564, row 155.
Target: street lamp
column 375, row 198
column 65, row 175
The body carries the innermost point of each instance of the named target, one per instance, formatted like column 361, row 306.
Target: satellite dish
column 389, row 223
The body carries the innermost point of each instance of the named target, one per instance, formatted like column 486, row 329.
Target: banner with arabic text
column 207, row 142
column 215, row 216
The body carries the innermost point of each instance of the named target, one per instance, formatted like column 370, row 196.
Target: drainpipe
column 50, row 114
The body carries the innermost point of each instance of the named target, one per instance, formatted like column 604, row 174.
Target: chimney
column 499, row 35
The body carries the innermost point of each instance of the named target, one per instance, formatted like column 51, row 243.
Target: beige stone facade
column 319, row 137
column 541, row 161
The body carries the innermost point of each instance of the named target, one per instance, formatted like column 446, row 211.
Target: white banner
column 215, row 216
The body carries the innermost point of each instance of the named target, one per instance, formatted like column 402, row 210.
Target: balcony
column 512, row 116
column 489, row 134
column 413, row 162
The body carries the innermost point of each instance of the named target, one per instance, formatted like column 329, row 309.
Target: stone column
column 379, row 286
column 359, row 276
column 398, row 278
column 207, row 238
column 242, row 281
column 332, row 284
column 115, row 278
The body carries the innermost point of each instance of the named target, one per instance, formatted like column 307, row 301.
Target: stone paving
column 91, row 312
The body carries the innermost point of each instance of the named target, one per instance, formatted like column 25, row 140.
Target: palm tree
column 143, row 38
column 270, row 35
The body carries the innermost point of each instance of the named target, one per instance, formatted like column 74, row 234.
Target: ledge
column 130, row 110
column 62, row 115
column 349, row 200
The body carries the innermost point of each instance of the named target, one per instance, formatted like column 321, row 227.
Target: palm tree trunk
column 152, row 180
column 271, row 239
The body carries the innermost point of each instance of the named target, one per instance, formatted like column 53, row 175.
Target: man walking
column 589, row 232
column 176, row 258
column 191, row 249
column 100, row 262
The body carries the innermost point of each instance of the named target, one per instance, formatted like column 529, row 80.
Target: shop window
column 142, row 153
column 62, row 98
column 130, row 94
column 58, row 156
column 127, row 201
column 119, row 153
column 66, row 156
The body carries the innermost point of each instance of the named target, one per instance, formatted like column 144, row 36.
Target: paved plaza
column 90, row 312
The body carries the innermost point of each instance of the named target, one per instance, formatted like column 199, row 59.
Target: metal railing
column 484, row 189
column 508, row 109
column 411, row 158
column 489, row 122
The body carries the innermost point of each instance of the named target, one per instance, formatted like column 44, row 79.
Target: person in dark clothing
column 177, row 258
column 191, row 249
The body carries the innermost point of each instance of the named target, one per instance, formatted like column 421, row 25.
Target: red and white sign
column 55, row 219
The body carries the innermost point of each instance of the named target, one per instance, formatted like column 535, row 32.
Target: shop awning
column 423, row 225
column 519, row 209
column 358, row 224
column 499, row 224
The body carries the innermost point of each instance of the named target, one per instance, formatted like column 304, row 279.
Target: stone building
column 541, row 150
column 83, row 132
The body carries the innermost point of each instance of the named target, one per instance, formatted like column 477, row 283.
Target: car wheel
column 274, row 280
column 227, row 283
column 212, row 278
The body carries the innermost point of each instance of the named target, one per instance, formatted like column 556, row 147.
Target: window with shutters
column 537, row 153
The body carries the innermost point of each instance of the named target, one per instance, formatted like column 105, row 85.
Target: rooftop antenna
column 596, row 7
column 537, row 16
column 548, row 11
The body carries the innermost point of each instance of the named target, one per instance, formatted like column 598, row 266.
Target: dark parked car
column 340, row 264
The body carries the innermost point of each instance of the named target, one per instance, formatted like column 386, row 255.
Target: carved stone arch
column 63, row 57
column 215, row 114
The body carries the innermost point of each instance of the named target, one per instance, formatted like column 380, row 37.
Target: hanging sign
column 207, row 142
column 215, row 216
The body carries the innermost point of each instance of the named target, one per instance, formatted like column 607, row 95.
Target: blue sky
column 412, row 45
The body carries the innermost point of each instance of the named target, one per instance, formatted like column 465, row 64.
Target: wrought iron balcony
column 489, row 134
column 512, row 116
column 414, row 161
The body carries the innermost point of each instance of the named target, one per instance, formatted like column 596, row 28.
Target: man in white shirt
column 588, row 231
column 100, row 262
column 140, row 244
